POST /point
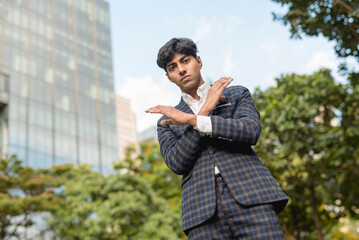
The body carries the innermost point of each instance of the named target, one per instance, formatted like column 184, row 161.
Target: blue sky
column 234, row 38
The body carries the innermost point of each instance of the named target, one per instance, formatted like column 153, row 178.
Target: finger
column 166, row 122
column 222, row 85
column 225, row 84
column 221, row 98
column 157, row 109
column 225, row 79
column 221, row 81
column 153, row 110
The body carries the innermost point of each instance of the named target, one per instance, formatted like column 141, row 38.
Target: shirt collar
column 202, row 92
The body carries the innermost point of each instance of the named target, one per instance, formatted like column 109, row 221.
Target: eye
column 186, row 60
column 171, row 68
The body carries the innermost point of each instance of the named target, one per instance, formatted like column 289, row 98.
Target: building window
column 4, row 82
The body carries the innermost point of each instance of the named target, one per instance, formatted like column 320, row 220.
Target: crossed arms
column 243, row 126
column 177, row 117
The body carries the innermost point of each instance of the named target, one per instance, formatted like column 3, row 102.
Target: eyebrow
column 170, row 64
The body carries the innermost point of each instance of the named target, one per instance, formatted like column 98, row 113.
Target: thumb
column 166, row 122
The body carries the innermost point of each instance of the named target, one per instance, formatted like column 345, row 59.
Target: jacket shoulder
column 235, row 91
column 237, row 88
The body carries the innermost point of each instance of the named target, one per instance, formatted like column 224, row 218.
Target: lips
column 185, row 78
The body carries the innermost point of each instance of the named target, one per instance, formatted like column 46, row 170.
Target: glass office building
column 57, row 101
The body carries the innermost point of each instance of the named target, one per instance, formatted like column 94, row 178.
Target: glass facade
column 57, row 81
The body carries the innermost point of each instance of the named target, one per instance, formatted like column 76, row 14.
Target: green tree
column 150, row 166
column 120, row 206
column 24, row 194
column 310, row 140
column 163, row 181
column 336, row 20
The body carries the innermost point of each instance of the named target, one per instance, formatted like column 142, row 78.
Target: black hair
column 173, row 46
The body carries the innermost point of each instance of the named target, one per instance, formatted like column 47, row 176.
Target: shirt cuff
column 204, row 124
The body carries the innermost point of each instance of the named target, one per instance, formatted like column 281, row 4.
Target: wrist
column 204, row 111
column 192, row 120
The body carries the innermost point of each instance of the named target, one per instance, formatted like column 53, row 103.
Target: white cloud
column 231, row 25
column 235, row 19
column 328, row 59
column 216, row 26
column 269, row 48
column 300, row 49
column 144, row 93
column 205, row 26
column 228, row 64
column 269, row 79
column 322, row 59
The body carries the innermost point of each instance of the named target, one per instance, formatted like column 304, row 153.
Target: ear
column 199, row 60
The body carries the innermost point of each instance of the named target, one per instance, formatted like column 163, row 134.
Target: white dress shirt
column 204, row 123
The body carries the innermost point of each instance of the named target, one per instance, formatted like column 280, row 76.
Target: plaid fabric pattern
column 235, row 127
column 233, row 221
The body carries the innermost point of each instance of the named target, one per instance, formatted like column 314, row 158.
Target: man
column 227, row 193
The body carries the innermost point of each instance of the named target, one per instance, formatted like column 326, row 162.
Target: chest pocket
column 224, row 110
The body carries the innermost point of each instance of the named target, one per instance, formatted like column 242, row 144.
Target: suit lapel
column 182, row 106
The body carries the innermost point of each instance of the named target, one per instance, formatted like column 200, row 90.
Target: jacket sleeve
column 244, row 125
column 181, row 153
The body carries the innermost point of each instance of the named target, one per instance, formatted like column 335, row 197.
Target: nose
column 181, row 69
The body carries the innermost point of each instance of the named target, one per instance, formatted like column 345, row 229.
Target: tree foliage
column 24, row 194
column 120, row 206
column 150, row 166
column 336, row 20
column 310, row 140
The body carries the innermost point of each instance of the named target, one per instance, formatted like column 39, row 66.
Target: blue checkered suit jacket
column 235, row 127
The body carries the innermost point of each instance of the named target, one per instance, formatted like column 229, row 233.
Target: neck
column 193, row 92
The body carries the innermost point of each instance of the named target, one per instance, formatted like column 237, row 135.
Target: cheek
column 171, row 77
column 174, row 80
column 198, row 69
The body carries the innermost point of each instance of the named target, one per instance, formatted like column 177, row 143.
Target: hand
column 215, row 95
column 176, row 116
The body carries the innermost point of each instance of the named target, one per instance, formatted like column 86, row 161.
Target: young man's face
column 185, row 71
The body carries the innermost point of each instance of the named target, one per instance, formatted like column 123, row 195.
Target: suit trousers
column 235, row 221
